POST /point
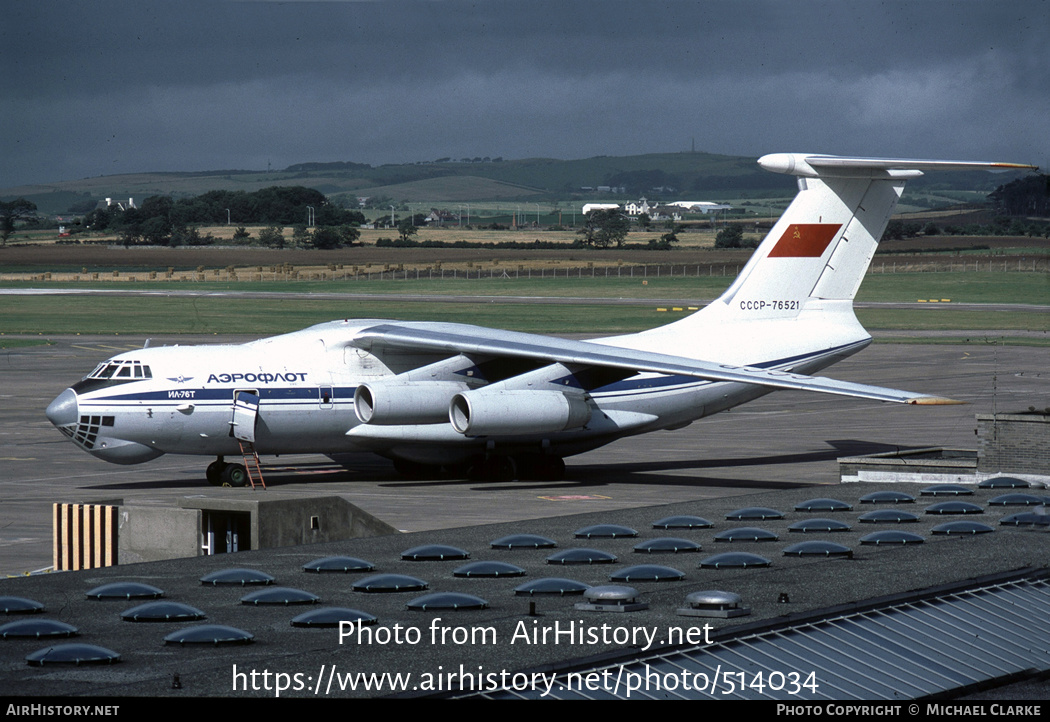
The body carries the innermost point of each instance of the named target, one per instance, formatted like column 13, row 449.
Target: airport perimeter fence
column 642, row 271
column 410, row 272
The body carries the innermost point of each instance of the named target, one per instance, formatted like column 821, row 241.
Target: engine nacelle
column 420, row 402
column 495, row 413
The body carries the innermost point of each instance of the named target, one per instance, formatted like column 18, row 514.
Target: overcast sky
column 98, row 88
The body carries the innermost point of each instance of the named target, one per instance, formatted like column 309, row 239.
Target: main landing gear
column 220, row 473
column 509, row 468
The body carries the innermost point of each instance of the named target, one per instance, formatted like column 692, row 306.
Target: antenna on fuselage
column 146, row 345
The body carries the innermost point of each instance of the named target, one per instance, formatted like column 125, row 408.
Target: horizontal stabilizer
column 816, row 166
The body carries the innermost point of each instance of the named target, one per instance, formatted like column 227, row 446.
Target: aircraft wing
column 455, row 338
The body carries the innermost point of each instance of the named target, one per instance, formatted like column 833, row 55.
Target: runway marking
column 574, row 497
column 18, row 540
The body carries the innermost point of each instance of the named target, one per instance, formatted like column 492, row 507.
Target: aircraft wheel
column 506, row 469
column 214, row 472
column 235, row 475
column 494, row 468
column 540, row 467
column 551, row 468
column 456, row 471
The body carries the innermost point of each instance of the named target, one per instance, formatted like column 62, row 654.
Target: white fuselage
column 306, row 382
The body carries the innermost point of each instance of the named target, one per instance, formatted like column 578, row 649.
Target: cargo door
column 245, row 415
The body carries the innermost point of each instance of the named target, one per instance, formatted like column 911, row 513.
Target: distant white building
column 588, row 207
column 700, row 206
column 109, row 203
column 638, row 208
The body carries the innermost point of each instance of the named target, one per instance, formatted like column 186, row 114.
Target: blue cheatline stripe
column 225, row 395
column 309, row 394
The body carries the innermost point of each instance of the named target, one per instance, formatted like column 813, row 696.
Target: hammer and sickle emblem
column 798, row 234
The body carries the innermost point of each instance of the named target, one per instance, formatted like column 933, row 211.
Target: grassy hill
column 686, row 175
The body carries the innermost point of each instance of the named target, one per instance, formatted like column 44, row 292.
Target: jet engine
column 418, row 402
column 496, row 412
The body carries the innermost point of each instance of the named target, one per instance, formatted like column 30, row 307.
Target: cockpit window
column 121, row 370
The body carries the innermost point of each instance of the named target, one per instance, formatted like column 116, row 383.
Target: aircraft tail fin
column 822, row 245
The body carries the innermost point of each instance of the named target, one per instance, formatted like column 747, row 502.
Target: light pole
column 227, row 216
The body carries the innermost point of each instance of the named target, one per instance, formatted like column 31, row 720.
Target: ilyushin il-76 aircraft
column 499, row 405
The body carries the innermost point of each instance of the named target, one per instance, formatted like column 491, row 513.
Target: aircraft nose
column 63, row 411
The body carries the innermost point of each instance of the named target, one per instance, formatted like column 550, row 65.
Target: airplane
column 499, row 405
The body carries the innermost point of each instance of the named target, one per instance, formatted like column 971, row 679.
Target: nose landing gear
column 219, row 473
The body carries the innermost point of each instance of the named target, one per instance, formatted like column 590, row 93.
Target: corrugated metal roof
column 902, row 650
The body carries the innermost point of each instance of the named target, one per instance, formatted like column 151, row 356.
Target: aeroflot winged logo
column 805, row 240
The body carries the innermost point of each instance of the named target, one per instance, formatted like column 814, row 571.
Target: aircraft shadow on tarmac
column 349, row 468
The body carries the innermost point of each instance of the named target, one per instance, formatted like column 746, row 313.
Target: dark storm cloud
column 99, row 88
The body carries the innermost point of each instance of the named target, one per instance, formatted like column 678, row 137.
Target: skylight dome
column 891, row 536
column 753, row 513
column 647, row 573
column 947, row 490
column 551, row 586
column 605, row 531
column 434, row 553
column 682, row 522
column 807, row 526
column 745, row 533
column 452, row 601
column 1018, row 499
column 125, row 590
column 666, row 545
column 962, row 526
column 887, row 497
column 582, row 556
column 327, row 617
column 389, row 583
column 818, row 548
column 236, row 577
column 823, row 505
column 888, row 516
column 37, row 628
column 162, row 611
column 489, row 569
column 524, row 541
column 214, row 634
column 20, row 605
column 75, row 654
column 734, row 560
column 338, row 564
column 954, row 507
column 280, row 596
column 1004, row 482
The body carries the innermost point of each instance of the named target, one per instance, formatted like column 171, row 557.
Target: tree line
column 162, row 220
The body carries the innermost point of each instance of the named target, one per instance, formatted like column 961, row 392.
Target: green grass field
column 960, row 287
column 104, row 314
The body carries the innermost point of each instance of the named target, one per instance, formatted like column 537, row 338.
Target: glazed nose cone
column 63, row 410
